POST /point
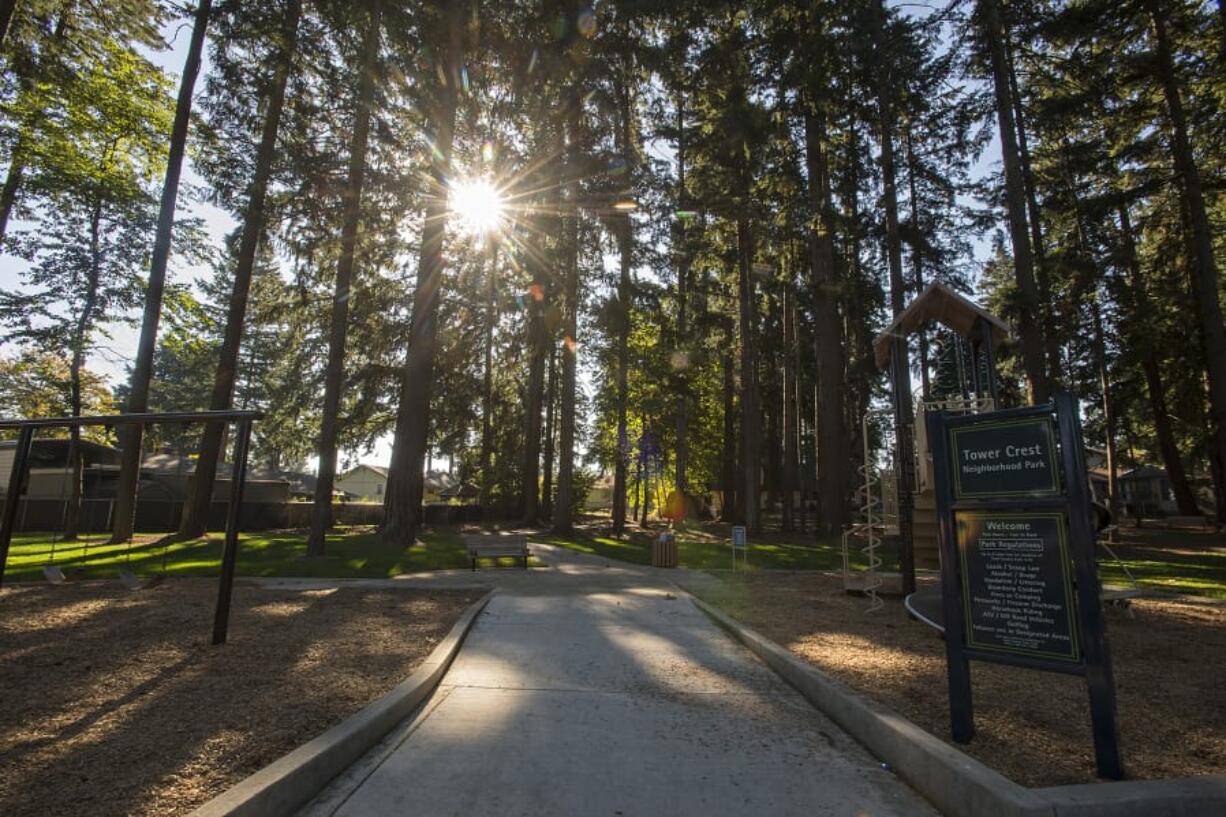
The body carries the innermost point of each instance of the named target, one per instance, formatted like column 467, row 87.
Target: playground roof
column 941, row 304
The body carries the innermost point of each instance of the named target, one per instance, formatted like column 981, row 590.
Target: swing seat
column 133, row 582
column 54, row 575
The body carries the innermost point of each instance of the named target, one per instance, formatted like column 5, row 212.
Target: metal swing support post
column 17, row 478
column 229, row 558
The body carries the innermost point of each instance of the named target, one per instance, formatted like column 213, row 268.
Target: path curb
column 954, row 782
column 289, row 782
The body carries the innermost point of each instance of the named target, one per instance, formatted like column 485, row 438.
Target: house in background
column 363, row 482
column 1147, row 491
column 1100, row 480
column 1144, row 491
column 165, row 482
column 369, row 482
column 168, row 477
column 50, row 477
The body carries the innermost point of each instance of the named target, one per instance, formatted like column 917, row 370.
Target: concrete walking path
column 593, row 689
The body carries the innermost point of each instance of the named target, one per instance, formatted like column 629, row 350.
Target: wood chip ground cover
column 115, row 703
column 1033, row 727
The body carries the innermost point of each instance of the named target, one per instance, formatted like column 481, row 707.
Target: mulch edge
column 288, row 783
column 956, row 783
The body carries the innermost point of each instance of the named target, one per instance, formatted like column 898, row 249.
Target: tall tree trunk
column 196, row 510
column 562, row 522
column 917, row 261
column 901, row 373
column 1141, row 339
column 858, row 364
column 6, row 18
column 530, row 472
column 142, row 372
column 487, row 391
column 1221, row 22
column 832, row 461
column 25, row 83
column 638, row 486
column 1029, row 324
column 1047, row 305
column 625, row 297
column 551, row 427
column 751, row 416
column 12, row 183
column 1200, row 241
column 321, row 518
column 647, row 484
column 406, row 473
column 1086, row 283
column 770, row 397
column 623, row 364
column 681, row 351
column 889, row 184
column 80, row 334
column 1109, row 415
column 728, row 470
column 790, row 438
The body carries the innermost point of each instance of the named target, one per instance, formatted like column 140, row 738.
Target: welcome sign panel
column 1017, row 589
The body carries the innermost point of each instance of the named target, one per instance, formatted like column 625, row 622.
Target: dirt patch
column 115, row 703
column 1033, row 727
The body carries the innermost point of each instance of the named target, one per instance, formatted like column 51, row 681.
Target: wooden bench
column 493, row 545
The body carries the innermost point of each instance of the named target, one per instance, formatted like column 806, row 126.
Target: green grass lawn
column 700, row 551
column 351, row 553
column 358, row 553
column 1200, row 572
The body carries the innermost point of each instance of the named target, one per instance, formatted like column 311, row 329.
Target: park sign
column 1019, row 581
column 1005, row 458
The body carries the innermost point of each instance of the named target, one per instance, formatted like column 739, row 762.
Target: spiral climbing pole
column 867, row 531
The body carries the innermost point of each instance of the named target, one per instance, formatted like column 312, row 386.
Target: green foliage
column 38, row 384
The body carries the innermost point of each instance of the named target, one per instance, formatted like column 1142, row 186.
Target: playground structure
column 969, row 387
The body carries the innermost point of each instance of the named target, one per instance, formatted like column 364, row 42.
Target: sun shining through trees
column 476, row 206
column 533, row 245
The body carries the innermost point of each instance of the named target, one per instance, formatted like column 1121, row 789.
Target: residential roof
column 176, row 465
column 439, row 480
column 941, row 304
column 1143, row 472
column 435, row 480
column 464, row 490
column 380, row 470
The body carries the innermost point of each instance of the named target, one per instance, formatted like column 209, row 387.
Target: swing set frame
column 243, row 421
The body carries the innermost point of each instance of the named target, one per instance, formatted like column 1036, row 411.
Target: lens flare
column 586, row 23
column 476, row 205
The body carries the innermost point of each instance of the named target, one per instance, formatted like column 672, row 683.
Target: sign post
column 1019, row 582
column 740, row 541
